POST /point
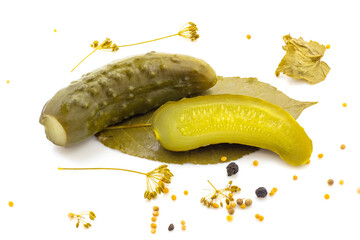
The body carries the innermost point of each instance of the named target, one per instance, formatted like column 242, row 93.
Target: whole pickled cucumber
column 200, row 121
column 120, row 90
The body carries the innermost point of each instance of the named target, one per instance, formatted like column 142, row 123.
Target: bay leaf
column 303, row 60
column 140, row 141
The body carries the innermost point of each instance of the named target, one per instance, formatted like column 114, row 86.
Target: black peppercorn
column 171, row 227
column 261, row 192
column 232, row 169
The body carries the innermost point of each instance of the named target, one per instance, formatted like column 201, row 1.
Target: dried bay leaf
column 303, row 60
column 140, row 142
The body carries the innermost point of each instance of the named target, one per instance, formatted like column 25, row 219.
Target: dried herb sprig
column 189, row 31
column 80, row 218
column 219, row 195
column 155, row 179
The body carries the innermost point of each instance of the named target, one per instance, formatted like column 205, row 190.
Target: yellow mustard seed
column 223, row 158
column 271, row 193
column 155, row 213
column 342, row 147
column 261, row 218
column 153, row 219
column 153, row 230
column 308, row 161
column 257, row 215
column 233, row 204
column 153, row 225
column 183, row 227
column 274, row 189
column 166, row 190
column 229, row 218
column 155, row 208
column 248, row 36
column 341, row 182
column 326, row 196
column 173, row 197
column 182, row 222
column 320, row 155
column 344, row 104
column 295, row 177
column 243, row 206
column 327, row 46
column 186, row 192
column 358, row 190
column 11, row 204
column 255, row 163
column 228, row 207
column 7, row 81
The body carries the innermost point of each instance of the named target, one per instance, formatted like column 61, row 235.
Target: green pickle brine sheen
column 120, row 90
column 200, row 121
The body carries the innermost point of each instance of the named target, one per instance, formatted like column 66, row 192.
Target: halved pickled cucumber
column 200, row 121
column 120, row 90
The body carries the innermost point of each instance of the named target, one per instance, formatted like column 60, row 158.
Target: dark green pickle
column 120, row 90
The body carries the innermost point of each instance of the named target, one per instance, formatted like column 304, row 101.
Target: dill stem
column 156, row 39
column 120, row 169
column 212, row 185
column 130, row 126
column 85, row 58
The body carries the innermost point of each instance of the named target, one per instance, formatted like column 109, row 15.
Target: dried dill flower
column 189, row 31
column 219, row 194
column 155, row 179
column 80, row 218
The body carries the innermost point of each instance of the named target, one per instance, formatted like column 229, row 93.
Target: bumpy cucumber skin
column 200, row 121
column 124, row 88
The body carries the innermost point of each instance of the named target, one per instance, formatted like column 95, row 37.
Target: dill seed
column 171, row 227
column 248, row 202
column 223, row 158
column 330, row 182
column 215, row 205
column 326, row 196
column 11, row 204
column 229, row 218
column 239, row 201
column 173, row 197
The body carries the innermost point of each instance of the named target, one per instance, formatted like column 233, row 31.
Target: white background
column 37, row 62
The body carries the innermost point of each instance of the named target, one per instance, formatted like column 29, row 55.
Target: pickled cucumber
column 120, row 90
column 200, row 121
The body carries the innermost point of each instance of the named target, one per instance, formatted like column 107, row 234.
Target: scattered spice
column 248, row 36
column 342, row 147
column 219, row 194
column 232, row 169
column 257, row 215
column 255, row 163
column 233, row 205
column 189, row 31
column 243, row 206
column 80, row 218
column 155, row 213
column 155, row 208
column 153, row 230
column 182, row 222
column 239, row 201
column 215, row 205
column 155, row 179
column 11, row 204
column 341, row 182
column 153, row 219
column 327, row 46
column 153, row 225
column 229, row 218
column 320, row 155
column 344, row 104
column 223, row 158
column 358, row 190
column 173, row 197
column 330, row 182
column 261, row 218
column 231, row 211
column 308, row 161
column 261, row 192
column 248, row 202
column 166, row 190
column 295, row 177
column 273, row 191
column 171, row 227
column 326, row 196
column 55, row 30
column 183, row 227
column 7, row 81
column 186, row 192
